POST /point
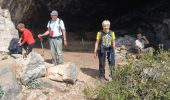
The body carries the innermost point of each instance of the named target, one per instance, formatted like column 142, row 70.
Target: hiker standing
column 57, row 34
column 104, row 47
column 26, row 39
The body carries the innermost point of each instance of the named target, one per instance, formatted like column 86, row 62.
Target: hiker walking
column 57, row 34
column 104, row 47
column 26, row 39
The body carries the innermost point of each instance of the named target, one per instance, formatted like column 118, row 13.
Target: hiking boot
column 103, row 78
column 106, row 79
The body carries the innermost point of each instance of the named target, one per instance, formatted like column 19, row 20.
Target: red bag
column 51, row 33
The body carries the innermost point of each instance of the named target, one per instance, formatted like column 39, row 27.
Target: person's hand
column 20, row 44
column 65, row 43
column 113, row 46
column 94, row 55
column 144, row 37
column 39, row 36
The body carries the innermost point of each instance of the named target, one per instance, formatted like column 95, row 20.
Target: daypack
column 106, row 39
column 14, row 47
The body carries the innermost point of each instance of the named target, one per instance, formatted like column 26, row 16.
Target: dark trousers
column 27, row 48
column 111, row 60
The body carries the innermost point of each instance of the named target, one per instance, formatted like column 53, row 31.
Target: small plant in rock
column 33, row 84
column 1, row 92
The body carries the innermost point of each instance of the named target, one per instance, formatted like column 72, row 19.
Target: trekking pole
column 82, row 39
column 42, row 46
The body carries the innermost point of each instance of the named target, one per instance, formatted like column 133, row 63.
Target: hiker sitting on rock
column 104, row 46
column 140, row 44
column 26, row 39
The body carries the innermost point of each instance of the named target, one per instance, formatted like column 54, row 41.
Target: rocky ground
column 87, row 67
column 86, row 64
column 77, row 52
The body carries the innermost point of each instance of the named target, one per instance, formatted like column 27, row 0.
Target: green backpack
column 106, row 39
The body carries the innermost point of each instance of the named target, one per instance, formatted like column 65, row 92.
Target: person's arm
column 96, row 47
column 146, row 40
column 62, row 26
column 96, row 44
column 113, row 44
column 24, row 38
column 19, row 41
column 64, row 37
column 44, row 34
column 113, row 40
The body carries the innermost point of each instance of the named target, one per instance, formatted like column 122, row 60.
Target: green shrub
column 146, row 78
column 1, row 92
column 33, row 84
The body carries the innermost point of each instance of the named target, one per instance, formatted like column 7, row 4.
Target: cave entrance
column 82, row 16
column 78, row 15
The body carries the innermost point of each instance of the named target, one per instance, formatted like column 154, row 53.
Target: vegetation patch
column 33, row 84
column 146, row 78
column 1, row 92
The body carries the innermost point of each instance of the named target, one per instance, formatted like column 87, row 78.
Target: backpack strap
column 58, row 23
column 102, row 34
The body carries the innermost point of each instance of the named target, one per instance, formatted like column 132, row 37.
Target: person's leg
column 59, row 51
column 111, row 60
column 25, row 46
column 29, row 49
column 138, row 50
column 53, row 51
column 101, row 57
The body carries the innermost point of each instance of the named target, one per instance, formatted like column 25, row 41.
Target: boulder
column 31, row 68
column 127, row 41
column 49, row 84
column 66, row 72
column 123, row 46
column 3, row 57
column 16, row 56
column 8, row 83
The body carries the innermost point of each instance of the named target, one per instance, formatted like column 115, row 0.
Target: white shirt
column 140, row 43
column 56, row 27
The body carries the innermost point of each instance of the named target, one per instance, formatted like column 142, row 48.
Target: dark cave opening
column 149, row 17
column 80, row 15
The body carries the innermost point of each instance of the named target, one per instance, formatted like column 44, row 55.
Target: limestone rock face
column 17, row 8
column 7, row 30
